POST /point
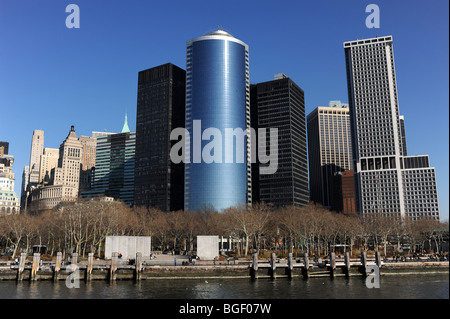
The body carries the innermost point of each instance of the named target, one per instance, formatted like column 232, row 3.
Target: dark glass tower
column 218, row 95
column 159, row 183
column 281, row 104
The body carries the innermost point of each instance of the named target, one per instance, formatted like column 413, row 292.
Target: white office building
column 387, row 180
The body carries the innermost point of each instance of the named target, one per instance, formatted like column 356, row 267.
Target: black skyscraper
column 159, row 183
column 281, row 104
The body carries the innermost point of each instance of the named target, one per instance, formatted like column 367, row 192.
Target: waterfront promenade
column 179, row 267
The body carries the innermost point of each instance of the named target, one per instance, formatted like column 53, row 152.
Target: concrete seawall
column 257, row 269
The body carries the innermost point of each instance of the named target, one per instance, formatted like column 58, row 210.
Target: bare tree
column 16, row 227
column 240, row 220
column 177, row 226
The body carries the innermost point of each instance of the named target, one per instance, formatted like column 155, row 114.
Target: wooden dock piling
column 273, row 266
column 113, row 268
column 254, row 267
column 290, row 266
column 74, row 259
column 89, row 266
column 57, row 268
column 305, row 265
column 138, row 266
column 35, row 266
column 332, row 264
column 363, row 263
column 347, row 263
column 21, row 268
column 378, row 259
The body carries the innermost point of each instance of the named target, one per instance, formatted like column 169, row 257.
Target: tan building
column 70, row 153
column 89, row 145
column 9, row 201
column 49, row 160
column 2, row 151
column 65, row 184
column 329, row 148
column 37, row 148
column 47, row 197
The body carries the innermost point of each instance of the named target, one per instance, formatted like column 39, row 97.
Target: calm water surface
column 424, row 286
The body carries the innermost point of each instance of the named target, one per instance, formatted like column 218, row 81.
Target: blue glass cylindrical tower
column 217, row 94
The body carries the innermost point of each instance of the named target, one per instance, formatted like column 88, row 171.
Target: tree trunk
column 246, row 246
column 16, row 246
column 27, row 247
column 351, row 246
column 437, row 246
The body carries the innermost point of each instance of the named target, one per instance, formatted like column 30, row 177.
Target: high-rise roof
column 220, row 32
column 218, row 35
column 125, row 128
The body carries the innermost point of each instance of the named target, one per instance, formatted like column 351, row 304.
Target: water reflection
column 391, row 287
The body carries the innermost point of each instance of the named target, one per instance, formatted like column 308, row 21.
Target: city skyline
column 66, row 65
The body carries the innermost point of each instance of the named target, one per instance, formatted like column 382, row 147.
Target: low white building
column 207, row 247
column 128, row 246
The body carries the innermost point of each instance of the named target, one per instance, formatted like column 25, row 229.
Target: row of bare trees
column 83, row 226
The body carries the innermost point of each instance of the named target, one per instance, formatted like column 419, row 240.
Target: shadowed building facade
column 329, row 148
column 281, row 104
column 159, row 182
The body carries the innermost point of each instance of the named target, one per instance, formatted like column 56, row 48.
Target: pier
column 272, row 268
column 306, row 268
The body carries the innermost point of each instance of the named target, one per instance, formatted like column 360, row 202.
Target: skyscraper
column 329, row 148
column 9, row 201
column 159, row 182
column 49, row 161
column 114, row 167
column 69, row 162
column 217, row 97
column 387, row 181
column 24, row 188
column 280, row 104
column 88, row 144
column 37, row 148
column 31, row 173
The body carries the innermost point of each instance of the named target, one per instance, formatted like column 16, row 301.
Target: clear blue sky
column 52, row 77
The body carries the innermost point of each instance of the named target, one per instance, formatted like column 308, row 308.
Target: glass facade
column 281, row 104
column 217, row 94
column 159, row 182
column 114, row 167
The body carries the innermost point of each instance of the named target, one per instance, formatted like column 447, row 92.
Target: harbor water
column 423, row 286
